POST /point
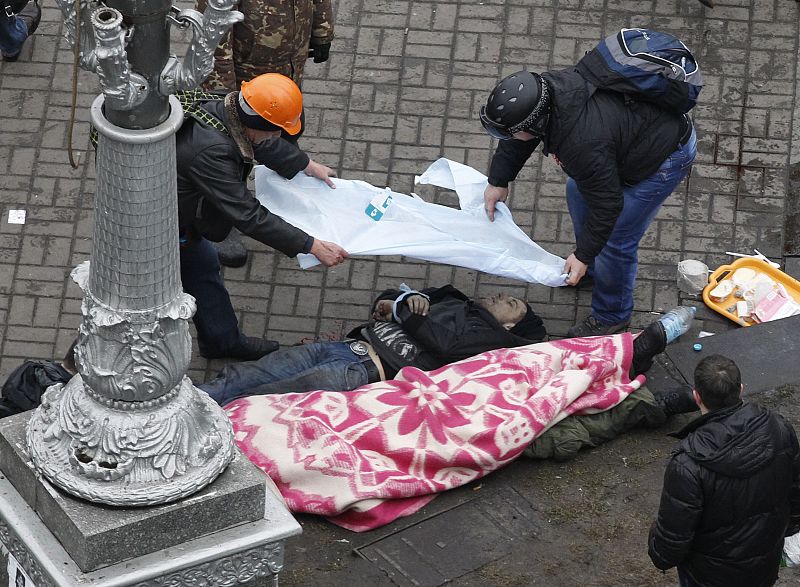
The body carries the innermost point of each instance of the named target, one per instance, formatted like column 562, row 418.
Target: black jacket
column 24, row 387
column 455, row 328
column 731, row 494
column 212, row 185
column 601, row 140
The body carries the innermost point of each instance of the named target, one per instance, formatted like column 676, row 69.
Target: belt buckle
column 359, row 348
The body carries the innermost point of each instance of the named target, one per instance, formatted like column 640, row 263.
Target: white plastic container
column 791, row 550
column 692, row 276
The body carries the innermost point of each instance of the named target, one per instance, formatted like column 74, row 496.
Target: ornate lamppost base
column 230, row 533
column 164, row 449
column 131, row 429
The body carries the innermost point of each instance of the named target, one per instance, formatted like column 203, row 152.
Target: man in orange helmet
column 216, row 148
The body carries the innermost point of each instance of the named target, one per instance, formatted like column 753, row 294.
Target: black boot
column 679, row 401
column 249, row 348
column 650, row 342
column 231, row 251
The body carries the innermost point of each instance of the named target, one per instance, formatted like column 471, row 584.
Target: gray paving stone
column 388, row 102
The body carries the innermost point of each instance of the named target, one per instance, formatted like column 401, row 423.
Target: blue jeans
column 13, row 33
column 215, row 321
column 614, row 269
column 331, row 366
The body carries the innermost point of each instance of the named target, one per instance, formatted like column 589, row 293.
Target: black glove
column 319, row 52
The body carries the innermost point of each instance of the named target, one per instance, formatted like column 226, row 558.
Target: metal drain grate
column 452, row 543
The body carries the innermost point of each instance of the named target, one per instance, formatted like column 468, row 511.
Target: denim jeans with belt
column 614, row 269
column 215, row 320
column 331, row 366
column 13, row 32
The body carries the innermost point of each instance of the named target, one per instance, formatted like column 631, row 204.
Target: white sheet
column 367, row 220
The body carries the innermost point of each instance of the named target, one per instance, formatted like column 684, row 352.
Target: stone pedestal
column 231, row 532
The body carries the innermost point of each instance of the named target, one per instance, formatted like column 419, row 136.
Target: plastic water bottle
column 677, row 321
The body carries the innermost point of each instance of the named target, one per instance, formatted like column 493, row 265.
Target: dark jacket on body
column 213, row 197
column 455, row 328
column 602, row 140
column 731, row 494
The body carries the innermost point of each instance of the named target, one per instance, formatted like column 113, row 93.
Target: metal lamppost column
column 147, row 52
column 130, row 429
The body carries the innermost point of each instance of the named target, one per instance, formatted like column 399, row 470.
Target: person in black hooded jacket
column 623, row 158
column 731, row 489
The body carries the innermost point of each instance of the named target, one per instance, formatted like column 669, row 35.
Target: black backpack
column 645, row 65
column 23, row 389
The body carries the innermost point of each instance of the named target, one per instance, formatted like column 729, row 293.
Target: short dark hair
column 530, row 326
column 718, row 382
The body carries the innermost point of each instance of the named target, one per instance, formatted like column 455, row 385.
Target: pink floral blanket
column 366, row 457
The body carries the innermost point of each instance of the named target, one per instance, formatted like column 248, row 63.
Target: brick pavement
column 402, row 87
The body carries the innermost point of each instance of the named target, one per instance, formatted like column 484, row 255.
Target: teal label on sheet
column 378, row 205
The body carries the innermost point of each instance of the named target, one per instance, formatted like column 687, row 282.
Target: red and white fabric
column 366, row 457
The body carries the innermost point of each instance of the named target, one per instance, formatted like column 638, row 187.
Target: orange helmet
column 276, row 98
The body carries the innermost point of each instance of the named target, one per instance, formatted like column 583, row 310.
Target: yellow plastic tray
column 726, row 272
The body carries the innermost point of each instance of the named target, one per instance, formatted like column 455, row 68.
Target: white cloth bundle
column 367, row 220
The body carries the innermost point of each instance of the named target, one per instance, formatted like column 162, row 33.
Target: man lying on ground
column 426, row 329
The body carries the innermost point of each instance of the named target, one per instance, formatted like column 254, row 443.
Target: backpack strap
column 645, row 65
column 189, row 100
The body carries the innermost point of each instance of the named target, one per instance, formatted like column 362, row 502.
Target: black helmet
column 520, row 102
